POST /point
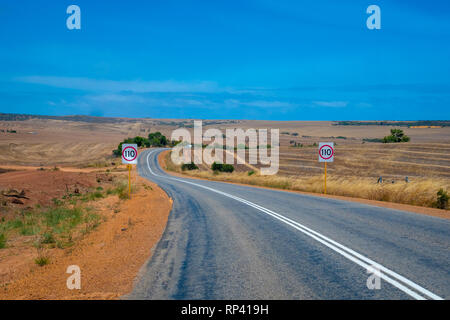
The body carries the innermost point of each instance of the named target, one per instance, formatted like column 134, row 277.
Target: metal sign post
column 129, row 180
column 326, row 154
column 129, row 157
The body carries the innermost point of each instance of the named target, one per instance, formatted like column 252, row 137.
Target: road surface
column 226, row 241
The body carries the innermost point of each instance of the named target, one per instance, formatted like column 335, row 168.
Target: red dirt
column 43, row 186
column 110, row 256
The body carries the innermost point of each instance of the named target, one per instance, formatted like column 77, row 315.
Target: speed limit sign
column 129, row 153
column 326, row 152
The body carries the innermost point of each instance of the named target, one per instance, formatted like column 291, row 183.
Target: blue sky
column 260, row 59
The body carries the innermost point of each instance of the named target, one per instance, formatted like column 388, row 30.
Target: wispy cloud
column 331, row 104
column 260, row 103
column 137, row 86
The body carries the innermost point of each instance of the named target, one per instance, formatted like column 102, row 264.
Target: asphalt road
column 225, row 241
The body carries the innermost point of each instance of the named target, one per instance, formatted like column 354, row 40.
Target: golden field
column 425, row 160
column 358, row 164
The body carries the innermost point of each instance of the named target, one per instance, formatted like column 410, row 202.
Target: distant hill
column 77, row 118
column 418, row 123
column 92, row 119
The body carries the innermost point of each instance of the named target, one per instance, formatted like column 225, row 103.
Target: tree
column 118, row 151
column 140, row 141
column 397, row 135
column 156, row 139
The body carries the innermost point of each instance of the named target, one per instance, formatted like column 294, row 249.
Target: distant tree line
column 156, row 139
column 397, row 135
column 419, row 123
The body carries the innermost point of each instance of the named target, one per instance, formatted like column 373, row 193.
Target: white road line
column 399, row 281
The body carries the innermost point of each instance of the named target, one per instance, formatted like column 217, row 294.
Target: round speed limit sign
column 326, row 152
column 129, row 153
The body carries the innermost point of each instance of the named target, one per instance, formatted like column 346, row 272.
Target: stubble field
column 425, row 160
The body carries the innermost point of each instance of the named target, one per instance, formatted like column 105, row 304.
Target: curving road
column 226, row 241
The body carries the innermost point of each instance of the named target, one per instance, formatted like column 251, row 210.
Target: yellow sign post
column 129, row 180
column 129, row 157
column 326, row 154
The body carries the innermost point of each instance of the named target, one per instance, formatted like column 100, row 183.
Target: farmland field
column 89, row 141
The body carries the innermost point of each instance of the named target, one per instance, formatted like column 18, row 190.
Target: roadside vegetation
column 420, row 192
column 156, row 139
column 59, row 225
column 220, row 167
column 189, row 166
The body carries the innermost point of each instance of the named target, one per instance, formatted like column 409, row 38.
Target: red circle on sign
column 135, row 152
column 332, row 151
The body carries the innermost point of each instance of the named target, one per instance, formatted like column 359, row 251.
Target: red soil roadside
column 109, row 257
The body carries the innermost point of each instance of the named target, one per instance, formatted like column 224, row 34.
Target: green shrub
column 47, row 238
column 189, row 166
column 251, row 172
column 95, row 195
column 42, row 261
column 2, row 240
column 222, row 167
column 442, row 199
column 228, row 168
column 397, row 135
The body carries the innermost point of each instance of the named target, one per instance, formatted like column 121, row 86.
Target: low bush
column 189, row 166
column 48, row 238
column 222, row 167
column 2, row 240
column 42, row 261
column 442, row 199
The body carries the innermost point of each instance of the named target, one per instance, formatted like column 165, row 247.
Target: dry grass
column 419, row 192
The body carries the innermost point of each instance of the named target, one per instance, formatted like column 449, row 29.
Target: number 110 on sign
column 326, row 152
